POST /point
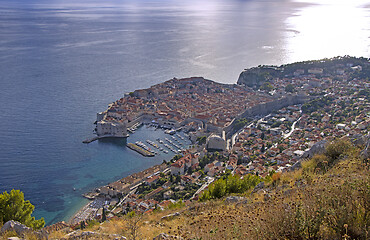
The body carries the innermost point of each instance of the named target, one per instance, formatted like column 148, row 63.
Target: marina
column 140, row 150
column 170, row 145
column 176, row 144
column 134, row 127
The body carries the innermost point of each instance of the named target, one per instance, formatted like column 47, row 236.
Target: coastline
column 112, row 121
column 90, row 208
column 87, row 211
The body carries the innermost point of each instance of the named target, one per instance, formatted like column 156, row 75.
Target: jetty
column 91, row 195
column 89, row 140
column 140, row 150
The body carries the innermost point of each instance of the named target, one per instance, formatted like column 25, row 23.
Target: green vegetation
column 178, row 204
column 233, row 184
column 328, row 198
column 14, row 207
column 329, row 65
column 289, row 88
column 186, row 193
column 259, row 75
column 316, row 104
column 266, row 86
column 210, row 158
column 239, row 124
column 363, row 74
column 201, row 140
column 176, row 157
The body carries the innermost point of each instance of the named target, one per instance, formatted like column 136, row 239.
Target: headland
column 268, row 122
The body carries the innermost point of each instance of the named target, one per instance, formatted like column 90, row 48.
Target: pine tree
column 14, row 207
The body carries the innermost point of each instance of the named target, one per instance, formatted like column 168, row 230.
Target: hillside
column 327, row 198
column 258, row 76
column 296, row 166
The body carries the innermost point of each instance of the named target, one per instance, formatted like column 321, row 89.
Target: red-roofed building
column 186, row 179
column 178, row 167
column 152, row 179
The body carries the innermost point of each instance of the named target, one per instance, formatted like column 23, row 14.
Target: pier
column 90, row 140
column 140, row 150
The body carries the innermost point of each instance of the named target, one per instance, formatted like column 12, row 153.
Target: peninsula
column 194, row 104
column 271, row 120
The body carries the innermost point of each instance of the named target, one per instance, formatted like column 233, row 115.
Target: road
column 230, row 142
column 123, row 199
column 210, row 180
column 292, row 130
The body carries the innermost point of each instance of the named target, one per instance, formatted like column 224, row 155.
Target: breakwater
column 140, row 150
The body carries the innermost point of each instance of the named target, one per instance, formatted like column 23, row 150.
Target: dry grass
column 315, row 202
column 8, row 234
column 57, row 235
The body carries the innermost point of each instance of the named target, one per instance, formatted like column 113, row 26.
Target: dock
column 140, row 150
column 89, row 140
column 91, row 195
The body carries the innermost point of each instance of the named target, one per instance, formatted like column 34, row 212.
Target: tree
column 176, row 157
column 178, row 179
column 189, row 171
column 14, row 207
column 104, row 215
column 266, row 86
column 289, row 88
column 240, row 160
column 263, row 148
column 82, row 225
column 201, row 140
column 218, row 189
column 262, row 135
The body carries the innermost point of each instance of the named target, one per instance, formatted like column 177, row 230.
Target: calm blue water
column 61, row 61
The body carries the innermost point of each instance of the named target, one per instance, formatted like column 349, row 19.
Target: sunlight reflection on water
column 328, row 29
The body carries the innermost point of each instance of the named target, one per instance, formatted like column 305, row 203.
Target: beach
column 127, row 184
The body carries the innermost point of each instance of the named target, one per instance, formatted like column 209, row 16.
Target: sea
column 62, row 61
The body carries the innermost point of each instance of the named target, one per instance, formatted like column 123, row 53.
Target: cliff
column 255, row 77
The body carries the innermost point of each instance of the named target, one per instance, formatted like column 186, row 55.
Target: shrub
column 232, row 184
column 178, row 204
column 337, row 149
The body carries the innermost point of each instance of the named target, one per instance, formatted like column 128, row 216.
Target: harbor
column 140, row 150
column 175, row 143
column 94, row 208
column 154, row 138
